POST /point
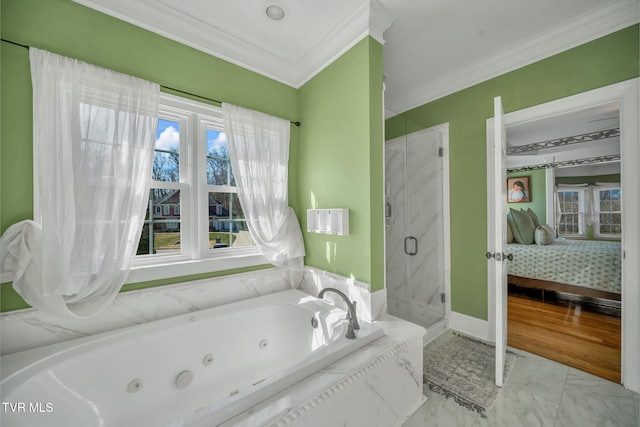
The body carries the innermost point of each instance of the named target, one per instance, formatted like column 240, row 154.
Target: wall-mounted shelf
column 328, row 221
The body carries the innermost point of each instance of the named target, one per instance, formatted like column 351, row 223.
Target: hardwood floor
column 566, row 332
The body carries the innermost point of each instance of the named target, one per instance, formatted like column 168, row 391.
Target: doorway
column 564, row 294
column 625, row 94
column 417, row 227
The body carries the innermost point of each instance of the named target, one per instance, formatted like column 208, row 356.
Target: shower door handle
column 415, row 245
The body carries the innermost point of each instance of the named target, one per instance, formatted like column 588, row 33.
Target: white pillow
column 544, row 235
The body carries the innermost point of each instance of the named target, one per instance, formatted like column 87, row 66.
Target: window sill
column 610, row 237
column 144, row 272
column 177, row 267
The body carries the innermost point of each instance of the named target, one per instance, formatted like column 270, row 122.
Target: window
column 194, row 222
column 608, row 212
column 572, row 207
column 599, row 205
column 227, row 225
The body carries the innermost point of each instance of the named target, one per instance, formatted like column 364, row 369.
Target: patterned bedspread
column 587, row 263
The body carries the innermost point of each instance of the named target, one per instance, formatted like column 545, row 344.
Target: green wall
column 335, row 157
column 610, row 59
column 69, row 29
column 537, row 190
column 341, row 156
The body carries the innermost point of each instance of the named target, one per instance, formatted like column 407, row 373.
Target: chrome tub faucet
column 351, row 313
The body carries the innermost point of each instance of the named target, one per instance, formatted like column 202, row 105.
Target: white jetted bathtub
column 201, row 368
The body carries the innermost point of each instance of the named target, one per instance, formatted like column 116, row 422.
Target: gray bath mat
column 463, row 368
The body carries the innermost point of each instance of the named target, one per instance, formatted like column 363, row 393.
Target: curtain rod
column 297, row 123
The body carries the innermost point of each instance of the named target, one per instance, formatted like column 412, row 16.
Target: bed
column 584, row 267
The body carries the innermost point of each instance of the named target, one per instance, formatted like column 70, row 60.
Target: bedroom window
column 608, row 212
column 194, row 222
column 572, row 213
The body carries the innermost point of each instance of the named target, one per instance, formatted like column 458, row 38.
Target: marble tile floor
column 540, row 392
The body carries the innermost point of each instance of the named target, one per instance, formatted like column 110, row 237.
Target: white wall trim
column 585, row 28
column 550, row 185
column 469, row 325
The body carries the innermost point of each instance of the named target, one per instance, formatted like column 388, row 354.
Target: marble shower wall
column 414, row 188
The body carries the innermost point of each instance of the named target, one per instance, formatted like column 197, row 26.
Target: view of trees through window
column 161, row 230
column 227, row 224
column 606, row 210
column 161, row 233
column 610, row 212
column 570, row 203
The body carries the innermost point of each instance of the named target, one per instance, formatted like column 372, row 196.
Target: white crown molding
column 347, row 34
column 156, row 18
column 369, row 17
column 379, row 21
column 585, row 28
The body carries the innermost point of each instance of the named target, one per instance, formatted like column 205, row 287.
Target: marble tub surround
column 26, row 329
column 369, row 306
column 540, row 392
column 379, row 385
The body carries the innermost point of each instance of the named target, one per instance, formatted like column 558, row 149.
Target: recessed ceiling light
column 275, row 12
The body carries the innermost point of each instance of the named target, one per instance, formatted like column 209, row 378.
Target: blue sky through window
column 168, row 135
column 215, row 139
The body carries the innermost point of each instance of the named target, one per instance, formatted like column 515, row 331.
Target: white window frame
column 597, row 212
column 582, row 204
column 195, row 256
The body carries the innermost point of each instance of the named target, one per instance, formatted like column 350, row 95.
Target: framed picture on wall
column 518, row 190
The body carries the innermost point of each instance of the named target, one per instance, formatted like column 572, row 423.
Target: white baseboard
column 468, row 325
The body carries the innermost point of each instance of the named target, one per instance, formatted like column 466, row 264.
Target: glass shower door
column 425, row 260
column 415, row 237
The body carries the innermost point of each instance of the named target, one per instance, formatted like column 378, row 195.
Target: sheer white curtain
column 259, row 154
column 93, row 141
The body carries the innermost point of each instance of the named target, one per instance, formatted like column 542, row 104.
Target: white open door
column 497, row 233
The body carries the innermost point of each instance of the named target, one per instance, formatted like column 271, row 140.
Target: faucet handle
column 350, row 333
column 356, row 326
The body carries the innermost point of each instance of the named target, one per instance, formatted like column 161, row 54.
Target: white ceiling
column 437, row 47
column 431, row 47
column 587, row 120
